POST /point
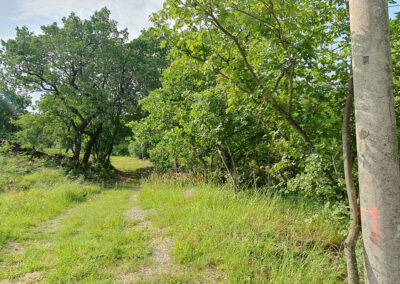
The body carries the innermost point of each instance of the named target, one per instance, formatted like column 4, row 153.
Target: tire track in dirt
column 160, row 265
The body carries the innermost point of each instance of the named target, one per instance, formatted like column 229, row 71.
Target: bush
column 138, row 150
column 317, row 179
column 121, row 149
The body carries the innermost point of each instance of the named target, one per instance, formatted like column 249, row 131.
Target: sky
column 131, row 14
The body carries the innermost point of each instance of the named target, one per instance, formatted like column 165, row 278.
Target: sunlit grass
column 69, row 230
column 58, row 151
column 31, row 193
column 248, row 237
column 128, row 164
column 86, row 245
column 64, row 228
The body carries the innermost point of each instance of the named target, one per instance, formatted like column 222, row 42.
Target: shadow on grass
column 134, row 176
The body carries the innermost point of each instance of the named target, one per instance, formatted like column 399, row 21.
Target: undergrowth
column 52, row 158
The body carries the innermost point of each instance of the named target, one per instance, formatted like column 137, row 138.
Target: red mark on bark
column 374, row 213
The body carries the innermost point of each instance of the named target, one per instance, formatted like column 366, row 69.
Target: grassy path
column 63, row 231
column 68, row 232
column 222, row 237
column 92, row 242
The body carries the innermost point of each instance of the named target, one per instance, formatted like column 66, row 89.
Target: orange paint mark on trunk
column 374, row 213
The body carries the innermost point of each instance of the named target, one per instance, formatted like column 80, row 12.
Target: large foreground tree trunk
column 378, row 163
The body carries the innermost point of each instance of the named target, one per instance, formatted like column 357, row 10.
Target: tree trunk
column 77, row 145
column 176, row 164
column 89, row 146
column 117, row 124
column 355, row 223
column 78, row 136
column 378, row 163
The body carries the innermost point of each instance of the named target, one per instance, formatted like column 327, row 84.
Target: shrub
column 121, row 149
column 138, row 150
column 317, row 179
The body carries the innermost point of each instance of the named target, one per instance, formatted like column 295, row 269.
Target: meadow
column 59, row 228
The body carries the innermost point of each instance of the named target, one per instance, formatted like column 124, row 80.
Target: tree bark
column 377, row 145
column 93, row 139
column 77, row 145
column 292, row 122
column 355, row 222
column 78, row 135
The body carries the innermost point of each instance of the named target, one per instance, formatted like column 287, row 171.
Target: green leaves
column 90, row 76
column 12, row 104
column 251, row 84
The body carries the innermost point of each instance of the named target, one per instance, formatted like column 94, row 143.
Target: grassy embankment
column 55, row 228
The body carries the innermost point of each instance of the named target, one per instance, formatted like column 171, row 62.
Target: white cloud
column 131, row 14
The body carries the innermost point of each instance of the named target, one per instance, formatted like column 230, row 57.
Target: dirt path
column 160, row 266
column 29, row 278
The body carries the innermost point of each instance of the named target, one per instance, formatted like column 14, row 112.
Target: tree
column 258, row 45
column 12, row 105
column 69, row 64
column 36, row 130
column 377, row 145
column 280, row 79
column 90, row 77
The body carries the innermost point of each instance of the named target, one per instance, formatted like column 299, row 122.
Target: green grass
column 128, row 164
column 247, row 237
column 69, row 230
column 86, row 246
column 31, row 193
column 58, row 151
column 65, row 228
